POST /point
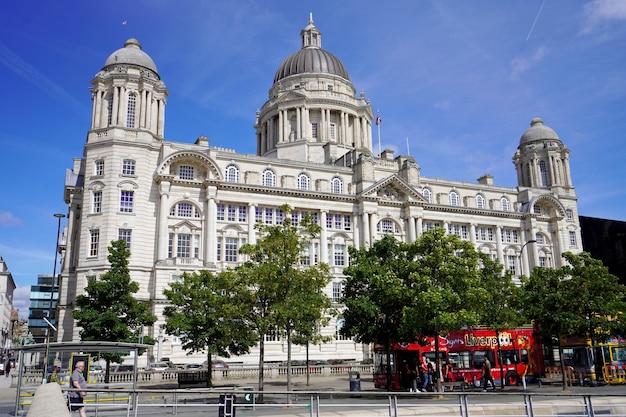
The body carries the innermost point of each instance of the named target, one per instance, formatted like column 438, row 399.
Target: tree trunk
column 209, row 372
column 261, row 367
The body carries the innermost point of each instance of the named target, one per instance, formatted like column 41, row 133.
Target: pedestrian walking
column 487, row 377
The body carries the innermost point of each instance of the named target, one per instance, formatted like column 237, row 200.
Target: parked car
column 124, row 368
column 193, row 366
column 319, row 362
column 216, row 364
column 95, row 369
column 159, row 367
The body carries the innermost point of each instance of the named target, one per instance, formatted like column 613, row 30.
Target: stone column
column 499, row 246
column 161, row 124
column 114, row 110
column 211, row 221
column 251, row 222
column 323, row 237
column 420, row 226
column 164, row 190
column 411, row 225
column 365, row 226
column 373, row 223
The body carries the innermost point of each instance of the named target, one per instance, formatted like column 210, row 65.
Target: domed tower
column 541, row 159
column 128, row 92
column 313, row 113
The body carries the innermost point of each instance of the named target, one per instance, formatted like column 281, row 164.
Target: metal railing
column 226, row 402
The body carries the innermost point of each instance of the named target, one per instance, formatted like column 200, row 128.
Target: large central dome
column 311, row 58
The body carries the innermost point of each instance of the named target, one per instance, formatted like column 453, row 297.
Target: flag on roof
column 378, row 119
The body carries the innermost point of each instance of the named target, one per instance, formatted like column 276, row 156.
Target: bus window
column 460, row 360
column 524, row 354
column 479, row 358
column 508, row 357
column 618, row 353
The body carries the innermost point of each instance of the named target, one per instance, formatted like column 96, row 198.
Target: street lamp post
column 54, row 283
column 521, row 251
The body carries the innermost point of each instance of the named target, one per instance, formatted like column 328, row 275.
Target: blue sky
column 458, row 80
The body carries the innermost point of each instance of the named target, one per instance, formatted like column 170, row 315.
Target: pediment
column 289, row 96
column 394, row 189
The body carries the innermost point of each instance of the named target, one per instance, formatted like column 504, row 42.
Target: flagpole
column 408, row 151
column 378, row 128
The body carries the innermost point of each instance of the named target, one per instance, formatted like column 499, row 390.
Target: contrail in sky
column 535, row 21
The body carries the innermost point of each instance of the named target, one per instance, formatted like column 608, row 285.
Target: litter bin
column 355, row 381
column 227, row 405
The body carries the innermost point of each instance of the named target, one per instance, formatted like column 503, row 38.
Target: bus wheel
column 512, row 378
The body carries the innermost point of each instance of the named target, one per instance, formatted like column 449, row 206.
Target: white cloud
column 7, row 219
column 522, row 64
column 21, row 301
column 600, row 11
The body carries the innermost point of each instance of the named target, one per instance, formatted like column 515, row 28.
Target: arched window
column 505, row 204
column 539, row 239
column 388, row 226
column 269, row 178
column 454, row 198
column 185, row 209
column 427, row 194
column 232, row 173
column 304, row 182
column 130, row 110
column 336, row 185
column 480, row 201
column 543, row 170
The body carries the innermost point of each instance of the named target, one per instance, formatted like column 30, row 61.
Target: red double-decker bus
column 517, row 355
column 411, row 353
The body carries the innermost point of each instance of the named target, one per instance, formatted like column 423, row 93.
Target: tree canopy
column 210, row 313
column 108, row 310
column 397, row 292
column 289, row 297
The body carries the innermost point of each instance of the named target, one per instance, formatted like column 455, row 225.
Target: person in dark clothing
column 487, row 377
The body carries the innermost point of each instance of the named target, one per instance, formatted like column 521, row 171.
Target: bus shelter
column 66, row 351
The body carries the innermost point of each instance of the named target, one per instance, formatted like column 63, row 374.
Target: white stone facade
column 7, row 288
column 183, row 207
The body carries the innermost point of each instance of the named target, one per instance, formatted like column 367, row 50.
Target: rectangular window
column 337, row 291
column 170, row 245
column 511, row 263
column 314, row 130
column 258, row 214
column 220, row 211
column 183, row 245
column 269, row 215
column 186, row 172
column 126, row 201
column 97, row 202
column 232, row 212
column 316, row 251
column 230, row 249
column 125, row 234
column 279, row 216
column 94, row 242
column 340, row 255
column 338, row 221
column 542, row 261
column 464, row 232
column 243, row 214
column 218, row 248
column 305, row 259
column 99, row 167
column 294, row 218
column 572, row 239
column 128, row 167
column 329, row 221
column 331, row 129
column 347, row 222
column 196, row 246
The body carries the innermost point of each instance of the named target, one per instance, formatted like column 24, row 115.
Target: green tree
column 210, row 313
column 545, row 300
column 288, row 292
column 499, row 310
column 376, row 293
column 108, row 310
column 581, row 298
column 444, row 286
column 600, row 303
